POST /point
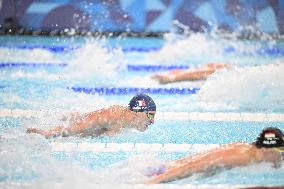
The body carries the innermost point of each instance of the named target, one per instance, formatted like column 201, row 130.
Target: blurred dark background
column 142, row 16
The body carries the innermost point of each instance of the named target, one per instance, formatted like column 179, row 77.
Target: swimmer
column 139, row 114
column 189, row 75
column 268, row 147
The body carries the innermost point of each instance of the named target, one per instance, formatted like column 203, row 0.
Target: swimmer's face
column 144, row 119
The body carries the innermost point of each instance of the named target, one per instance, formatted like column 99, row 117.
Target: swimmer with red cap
column 139, row 114
column 268, row 147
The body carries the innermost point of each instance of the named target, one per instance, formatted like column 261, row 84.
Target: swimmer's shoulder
column 117, row 108
column 238, row 146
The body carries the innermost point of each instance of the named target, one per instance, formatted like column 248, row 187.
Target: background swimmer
column 139, row 114
column 268, row 147
column 189, row 75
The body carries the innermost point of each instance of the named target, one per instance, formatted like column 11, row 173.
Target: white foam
column 248, row 88
column 96, row 62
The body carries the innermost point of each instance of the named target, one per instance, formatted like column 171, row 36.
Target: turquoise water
column 26, row 159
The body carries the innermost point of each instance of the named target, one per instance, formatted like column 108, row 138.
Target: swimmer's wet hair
column 142, row 103
column 269, row 138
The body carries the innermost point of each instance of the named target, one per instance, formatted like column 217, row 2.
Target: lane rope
column 128, row 147
column 130, row 67
column 154, row 68
column 134, row 90
column 168, row 116
column 62, row 49
column 271, row 51
column 24, row 64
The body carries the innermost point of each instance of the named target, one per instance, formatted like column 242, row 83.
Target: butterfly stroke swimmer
column 139, row 114
column 268, row 147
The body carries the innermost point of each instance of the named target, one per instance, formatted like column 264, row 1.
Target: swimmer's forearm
column 82, row 127
column 188, row 166
column 76, row 128
column 53, row 132
column 193, row 75
column 177, row 171
column 229, row 157
column 198, row 74
column 172, row 174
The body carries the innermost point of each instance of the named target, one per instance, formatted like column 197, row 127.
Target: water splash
column 97, row 62
column 186, row 50
column 257, row 88
column 197, row 48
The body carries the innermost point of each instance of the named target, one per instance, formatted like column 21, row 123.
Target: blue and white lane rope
column 134, row 90
column 154, row 68
column 61, row 49
column 130, row 67
column 56, row 49
column 169, row 116
column 34, row 65
column 272, row 51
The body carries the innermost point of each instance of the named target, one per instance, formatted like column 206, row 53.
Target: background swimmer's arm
column 188, row 75
column 228, row 156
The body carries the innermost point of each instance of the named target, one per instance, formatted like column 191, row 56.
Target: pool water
column 36, row 75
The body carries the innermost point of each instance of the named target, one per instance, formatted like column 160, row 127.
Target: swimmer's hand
column 162, row 78
column 35, row 130
column 32, row 130
column 155, row 171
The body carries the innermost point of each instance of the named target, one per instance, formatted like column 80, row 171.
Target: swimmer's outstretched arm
column 47, row 134
column 231, row 155
column 75, row 128
column 94, row 119
column 104, row 121
column 188, row 75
